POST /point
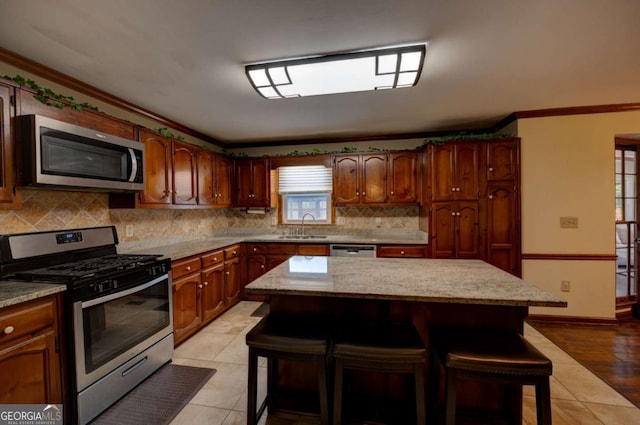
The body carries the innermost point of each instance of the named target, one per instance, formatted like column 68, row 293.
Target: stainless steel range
column 118, row 312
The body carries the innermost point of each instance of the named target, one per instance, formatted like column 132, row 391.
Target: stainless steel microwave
column 60, row 155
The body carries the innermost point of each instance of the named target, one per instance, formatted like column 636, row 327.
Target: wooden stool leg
column 272, row 376
column 421, row 418
column 543, row 401
column 450, row 396
column 252, row 388
column 434, row 388
column 337, row 393
column 324, row 392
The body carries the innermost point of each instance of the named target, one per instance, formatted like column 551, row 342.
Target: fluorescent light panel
column 377, row 69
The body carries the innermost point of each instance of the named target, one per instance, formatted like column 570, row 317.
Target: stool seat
column 381, row 346
column 497, row 355
column 287, row 337
column 492, row 351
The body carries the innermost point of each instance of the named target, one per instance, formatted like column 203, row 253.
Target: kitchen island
column 428, row 292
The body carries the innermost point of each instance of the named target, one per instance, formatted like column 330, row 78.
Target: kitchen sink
column 297, row 237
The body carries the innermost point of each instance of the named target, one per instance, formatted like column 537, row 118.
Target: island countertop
column 424, row 280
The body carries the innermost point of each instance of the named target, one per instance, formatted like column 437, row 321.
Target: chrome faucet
column 305, row 214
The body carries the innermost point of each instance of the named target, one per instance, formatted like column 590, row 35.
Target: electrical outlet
column 274, row 221
column 568, row 222
column 128, row 230
column 340, row 221
column 378, row 221
column 565, row 286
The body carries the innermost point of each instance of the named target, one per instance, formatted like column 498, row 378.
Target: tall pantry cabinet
column 472, row 192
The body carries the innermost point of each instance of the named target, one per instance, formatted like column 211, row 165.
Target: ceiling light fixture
column 363, row 70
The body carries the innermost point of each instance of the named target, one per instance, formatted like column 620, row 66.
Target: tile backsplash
column 53, row 210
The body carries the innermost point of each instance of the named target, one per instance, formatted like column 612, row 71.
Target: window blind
column 304, row 179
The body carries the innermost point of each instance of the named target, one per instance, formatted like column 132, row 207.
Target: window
column 305, row 190
column 626, row 223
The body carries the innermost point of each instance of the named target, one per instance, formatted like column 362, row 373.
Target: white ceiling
column 486, row 58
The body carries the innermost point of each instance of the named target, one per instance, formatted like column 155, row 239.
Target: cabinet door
column 466, row 180
column 243, row 183
column 442, row 165
column 157, row 169
column 9, row 197
column 31, row 371
column 232, row 281
column 373, row 179
column 224, row 177
column 467, row 243
column 261, row 183
column 443, row 230
column 275, row 260
column 402, row 178
column 212, row 291
column 256, row 266
column 187, row 307
column 345, row 180
column 502, row 160
column 503, row 237
column 185, row 174
column 206, row 178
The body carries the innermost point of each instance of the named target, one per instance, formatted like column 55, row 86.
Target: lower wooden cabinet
column 204, row 286
column 30, row 361
column 402, row 251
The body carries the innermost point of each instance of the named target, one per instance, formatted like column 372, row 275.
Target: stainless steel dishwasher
column 350, row 250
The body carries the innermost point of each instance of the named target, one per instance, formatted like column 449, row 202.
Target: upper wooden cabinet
column 502, row 160
column 158, row 170
column 185, row 174
column 375, row 179
column 10, row 197
column 252, row 182
column 215, row 174
column 454, row 171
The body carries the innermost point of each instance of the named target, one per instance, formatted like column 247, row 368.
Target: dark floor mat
column 159, row 398
column 261, row 311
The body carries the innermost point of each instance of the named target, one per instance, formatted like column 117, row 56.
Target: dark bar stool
column 290, row 338
column 387, row 347
column 500, row 356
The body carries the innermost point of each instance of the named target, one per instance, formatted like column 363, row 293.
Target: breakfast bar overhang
column 427, row 292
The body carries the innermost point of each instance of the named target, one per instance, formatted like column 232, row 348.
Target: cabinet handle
column 8, row 330
column 200, row 286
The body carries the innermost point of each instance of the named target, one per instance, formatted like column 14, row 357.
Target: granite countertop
column 179, row 250
column 426, row 280
column 14, row 292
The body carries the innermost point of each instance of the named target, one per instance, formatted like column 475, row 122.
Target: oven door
column 112, row 329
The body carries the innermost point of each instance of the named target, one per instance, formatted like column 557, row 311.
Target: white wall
column 568, row 170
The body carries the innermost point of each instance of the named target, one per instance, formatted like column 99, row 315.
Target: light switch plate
column 568, row 222
column 128, row 230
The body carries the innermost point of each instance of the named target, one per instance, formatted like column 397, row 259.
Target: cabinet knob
column 357, row 193
column 200, row 286
column 255, row 249
column 453, row 213
column 364, row 194
column 457, row 189
column 490, row 168
column 227, row 273
column 8, row 330
column 262, row 266
column 215, row 195
column 457, row 213
column 453, row 189
column 235, row 253
column 188, row 268
column 401, row 252
column 215, row 258
column 490, row 196
column 392, row 193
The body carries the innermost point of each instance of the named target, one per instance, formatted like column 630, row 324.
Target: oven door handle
column 121, row 294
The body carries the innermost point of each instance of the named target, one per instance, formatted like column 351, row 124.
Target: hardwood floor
column 612, row 352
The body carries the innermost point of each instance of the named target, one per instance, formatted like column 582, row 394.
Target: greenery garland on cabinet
column 48, row 96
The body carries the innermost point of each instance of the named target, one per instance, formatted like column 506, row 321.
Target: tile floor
column 578, row 396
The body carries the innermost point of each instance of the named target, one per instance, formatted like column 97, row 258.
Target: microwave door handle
column 121, row 294
column 134, row 165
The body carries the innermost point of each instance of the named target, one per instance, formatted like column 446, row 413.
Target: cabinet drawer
column 232, row 251
column 183, row 267
column 406, row 251
column 256, row 248
column 211, row 258
column 311, row 249
column 27, row 318
column 282, row 248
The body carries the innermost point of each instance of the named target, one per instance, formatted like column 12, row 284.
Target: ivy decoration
column 49, row 97
column 165, row 132
column 463, row 135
